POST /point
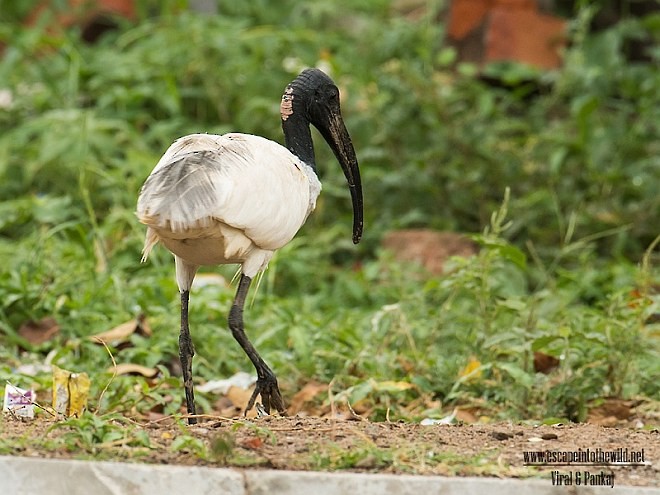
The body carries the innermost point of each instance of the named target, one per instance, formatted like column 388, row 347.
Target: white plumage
column 234, row 198
column 237, row 198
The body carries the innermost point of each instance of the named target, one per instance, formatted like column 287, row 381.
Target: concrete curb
column 23, row 476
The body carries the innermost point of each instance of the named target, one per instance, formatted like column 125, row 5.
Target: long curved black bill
column 340, row 141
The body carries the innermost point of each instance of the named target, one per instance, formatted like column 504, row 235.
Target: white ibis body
column 237, row 198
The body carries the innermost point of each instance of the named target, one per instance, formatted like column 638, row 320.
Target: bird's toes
column 270, row 394
column 265, row 401
column 275, row 400
column 250, row 403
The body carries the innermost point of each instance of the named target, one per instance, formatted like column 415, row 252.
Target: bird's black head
column 313, row 98
column 310, row 95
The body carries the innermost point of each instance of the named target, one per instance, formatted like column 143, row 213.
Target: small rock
column 549, row 436
column 501, row 435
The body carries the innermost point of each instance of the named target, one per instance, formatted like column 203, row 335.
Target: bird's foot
column 270, row 394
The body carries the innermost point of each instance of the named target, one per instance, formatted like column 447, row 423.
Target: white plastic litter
column 32, row 369
column 241, row 380
column 447, row 420
column 19, row 401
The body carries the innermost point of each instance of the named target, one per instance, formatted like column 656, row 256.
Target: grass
column 558, row 190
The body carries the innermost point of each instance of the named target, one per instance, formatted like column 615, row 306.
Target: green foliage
column 82, row 126
column 369, row 457
column 92, row 435
column 190, row 444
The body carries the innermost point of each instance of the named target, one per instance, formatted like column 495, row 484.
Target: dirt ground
column 309, row 443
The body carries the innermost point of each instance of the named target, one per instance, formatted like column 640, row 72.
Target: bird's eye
column 330, row 95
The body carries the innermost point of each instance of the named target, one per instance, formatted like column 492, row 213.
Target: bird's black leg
column 266, row 381
column 186, row 353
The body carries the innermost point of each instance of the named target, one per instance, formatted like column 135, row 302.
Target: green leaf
column 519, row 375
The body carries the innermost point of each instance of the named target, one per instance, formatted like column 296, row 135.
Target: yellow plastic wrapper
column 70, row 392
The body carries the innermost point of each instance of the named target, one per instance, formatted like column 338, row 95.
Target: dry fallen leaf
column 226, row 408
column 38, row 332
column 239, row 397
column 393, row 386
column 133, row 369
column 466, row 416
column 306, row 394
column 122, row 332
column 611, row 411
column 253, row 443
column 544, row 363
column 157, row 417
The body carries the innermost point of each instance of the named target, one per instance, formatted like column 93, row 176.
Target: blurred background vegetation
column 571, row 156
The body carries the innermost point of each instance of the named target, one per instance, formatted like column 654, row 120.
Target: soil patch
column 308, row 443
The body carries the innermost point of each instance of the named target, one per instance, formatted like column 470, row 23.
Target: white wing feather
column 246, row 182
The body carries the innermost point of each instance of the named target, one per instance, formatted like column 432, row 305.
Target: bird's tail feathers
column 260, row 277
column 150, row 241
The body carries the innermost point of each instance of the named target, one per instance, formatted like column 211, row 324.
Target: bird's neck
column 298, row 139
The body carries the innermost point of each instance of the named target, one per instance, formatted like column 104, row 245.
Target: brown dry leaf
column 133, row 369
column 117, row 334
column 611, row 411
column 253, row 443
column 306, row 394
column 226, row 408
column 144, row 328
column 122, row 332
column 394, row 386
column 239, row 397
column 466, row 416
column 38, row 332
column 606, row 421
column 544, row 363
column 154, row 416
